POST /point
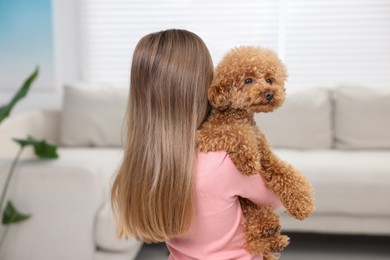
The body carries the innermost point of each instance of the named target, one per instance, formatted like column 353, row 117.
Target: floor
column 311, row 247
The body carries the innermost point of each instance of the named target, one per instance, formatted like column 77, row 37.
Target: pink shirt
column 216, row 231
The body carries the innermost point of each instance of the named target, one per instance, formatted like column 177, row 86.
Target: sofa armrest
column 41, row 124
column 63, row 196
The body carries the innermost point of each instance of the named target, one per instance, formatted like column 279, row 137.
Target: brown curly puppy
column 250, row 80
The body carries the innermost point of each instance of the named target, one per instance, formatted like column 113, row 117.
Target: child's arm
column 233, row 183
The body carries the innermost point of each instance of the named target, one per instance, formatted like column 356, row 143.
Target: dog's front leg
column 293, row 189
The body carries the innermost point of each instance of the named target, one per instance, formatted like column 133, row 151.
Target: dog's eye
column 269, row 81
column 248, row 81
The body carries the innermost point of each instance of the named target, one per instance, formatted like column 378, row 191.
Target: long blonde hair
column 153, row 192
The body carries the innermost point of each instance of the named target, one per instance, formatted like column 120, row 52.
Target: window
column 323, row 42
column 334, row 42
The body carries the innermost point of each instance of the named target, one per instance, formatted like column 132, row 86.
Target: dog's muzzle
column 269, row 95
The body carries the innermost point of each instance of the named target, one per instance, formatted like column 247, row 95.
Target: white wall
column 67, row 65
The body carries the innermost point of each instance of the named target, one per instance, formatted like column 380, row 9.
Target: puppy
column 250, row 80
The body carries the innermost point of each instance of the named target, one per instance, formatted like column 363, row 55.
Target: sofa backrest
column 40, row 124
column 304, row 121
column 311, row 118
column 362, row 118
column 93, row 115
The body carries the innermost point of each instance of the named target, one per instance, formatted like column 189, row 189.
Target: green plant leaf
column 42, row 148
column 5, row 110
column 11, row 215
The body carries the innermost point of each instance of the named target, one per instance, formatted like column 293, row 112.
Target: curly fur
column 249, row 80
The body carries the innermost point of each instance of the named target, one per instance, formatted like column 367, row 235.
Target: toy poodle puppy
column 249, row 80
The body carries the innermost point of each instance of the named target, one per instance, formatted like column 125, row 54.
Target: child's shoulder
column 212, row 156
column 215, row 161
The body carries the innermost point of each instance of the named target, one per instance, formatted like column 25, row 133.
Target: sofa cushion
column 303, row 122
column 362, row 119
column 345, row 182
column 64, row 197
column 92, row 115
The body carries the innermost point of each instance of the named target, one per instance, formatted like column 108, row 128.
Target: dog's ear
column 219, row 94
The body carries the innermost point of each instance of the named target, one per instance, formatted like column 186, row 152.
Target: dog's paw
column 301, row 207
column 273, row 256
column 278, row 244
column 267, row 246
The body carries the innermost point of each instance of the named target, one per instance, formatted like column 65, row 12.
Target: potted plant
column 42, row 149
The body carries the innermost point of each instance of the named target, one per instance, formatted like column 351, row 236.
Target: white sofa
column 339, row 138
column 68, row 197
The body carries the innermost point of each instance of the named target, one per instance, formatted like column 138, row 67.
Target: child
column 165, row 190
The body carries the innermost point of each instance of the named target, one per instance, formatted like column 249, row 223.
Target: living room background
column 335, row 128
column 323, row 42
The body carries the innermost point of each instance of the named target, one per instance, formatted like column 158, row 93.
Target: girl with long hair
column 165, row 190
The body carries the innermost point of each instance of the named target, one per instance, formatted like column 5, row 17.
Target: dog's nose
column 269, row 95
